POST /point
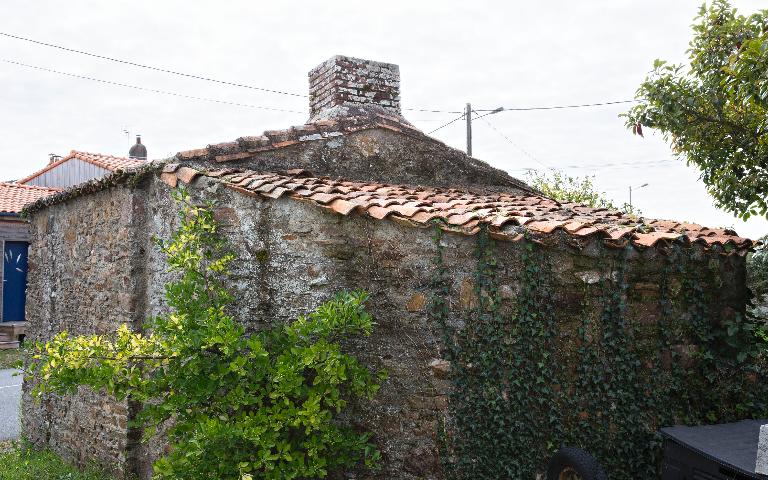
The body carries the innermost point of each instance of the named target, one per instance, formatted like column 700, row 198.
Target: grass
column 9, row 357
column 20, row 462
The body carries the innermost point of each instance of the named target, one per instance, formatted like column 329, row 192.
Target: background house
column 60, row 173
column 79, row 167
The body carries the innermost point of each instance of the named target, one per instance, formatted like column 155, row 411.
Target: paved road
column 10, row 398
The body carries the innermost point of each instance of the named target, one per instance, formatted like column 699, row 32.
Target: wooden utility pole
column 468, row 114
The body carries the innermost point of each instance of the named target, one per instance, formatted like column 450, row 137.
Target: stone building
column 353, row 200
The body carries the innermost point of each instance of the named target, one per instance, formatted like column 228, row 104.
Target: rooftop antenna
column 127, row 134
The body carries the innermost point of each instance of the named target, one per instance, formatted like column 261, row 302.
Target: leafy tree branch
column 714, row 111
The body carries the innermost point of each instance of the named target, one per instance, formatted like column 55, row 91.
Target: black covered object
column 712, row 452
column 575, row 461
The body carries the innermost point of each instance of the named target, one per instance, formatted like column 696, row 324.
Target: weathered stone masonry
column 87, row 276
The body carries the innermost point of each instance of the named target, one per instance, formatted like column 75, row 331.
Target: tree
column 565, row 188
column 714, row 111
column 758, row 271
column 260, row 406
column 757, row 280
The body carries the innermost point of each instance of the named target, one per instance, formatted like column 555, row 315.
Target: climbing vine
column 535, row 370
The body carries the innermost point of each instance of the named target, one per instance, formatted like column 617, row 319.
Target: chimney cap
column 138, row 151
column 346, row 86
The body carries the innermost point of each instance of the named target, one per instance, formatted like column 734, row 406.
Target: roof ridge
column 97, row 154
column 31, row 187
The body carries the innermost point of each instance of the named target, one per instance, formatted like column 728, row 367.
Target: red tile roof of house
column 507, row 216
column 107, row 162
column 13, row 196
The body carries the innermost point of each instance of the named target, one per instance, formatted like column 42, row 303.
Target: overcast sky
column 511, row 54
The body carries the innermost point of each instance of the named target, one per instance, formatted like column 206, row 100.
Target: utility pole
column 468, row 114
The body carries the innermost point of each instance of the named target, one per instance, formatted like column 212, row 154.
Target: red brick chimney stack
column 345, row 87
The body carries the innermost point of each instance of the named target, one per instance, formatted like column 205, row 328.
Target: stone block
column 440, row 368
column 416, row 303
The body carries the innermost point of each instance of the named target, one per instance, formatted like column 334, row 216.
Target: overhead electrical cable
column 427, row 110
column 149, row 67
column 661, row 163
column 525, row 152
column 282, row 92
column 622, row 164
column 152, row 90
column 553, row 107
column 446, row 124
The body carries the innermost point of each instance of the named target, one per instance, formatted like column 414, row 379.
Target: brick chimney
column 345, row 87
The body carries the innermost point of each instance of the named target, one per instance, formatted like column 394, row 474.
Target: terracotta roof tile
column 14, row 196
column 343, row 207
column 465, row 212
column 107, row 162
column 186, row 174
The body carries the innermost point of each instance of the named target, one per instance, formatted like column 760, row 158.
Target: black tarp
column 729, row 444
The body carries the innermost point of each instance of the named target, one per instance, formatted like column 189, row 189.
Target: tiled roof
column 13, row 196
column 246, row 147
column 107, row 162
column 507, row 216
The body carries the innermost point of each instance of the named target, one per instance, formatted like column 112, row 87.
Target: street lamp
column 630, row 193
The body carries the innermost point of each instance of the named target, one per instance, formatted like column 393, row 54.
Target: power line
column 622, row 164
column 135, row 87
column 489, row 111
column 281, row 92
column 553, row 107
column 446, row 124
column 611, row 165
column 149, row 67
column 525, row 152
column 431, row 111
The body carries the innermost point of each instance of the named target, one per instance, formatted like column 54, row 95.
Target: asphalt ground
column 10, row 400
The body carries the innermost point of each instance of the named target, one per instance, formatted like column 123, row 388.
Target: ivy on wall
column 530, row 375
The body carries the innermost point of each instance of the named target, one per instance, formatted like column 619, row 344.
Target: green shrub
column 258, row 406
column 757, row 269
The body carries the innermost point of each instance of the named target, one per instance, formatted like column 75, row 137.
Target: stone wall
column 380, row 155
column 291, row 257
column 85, row 276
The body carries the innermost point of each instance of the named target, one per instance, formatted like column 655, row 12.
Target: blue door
column 14, row 281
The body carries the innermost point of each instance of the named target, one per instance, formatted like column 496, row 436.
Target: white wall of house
column 67, row 174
